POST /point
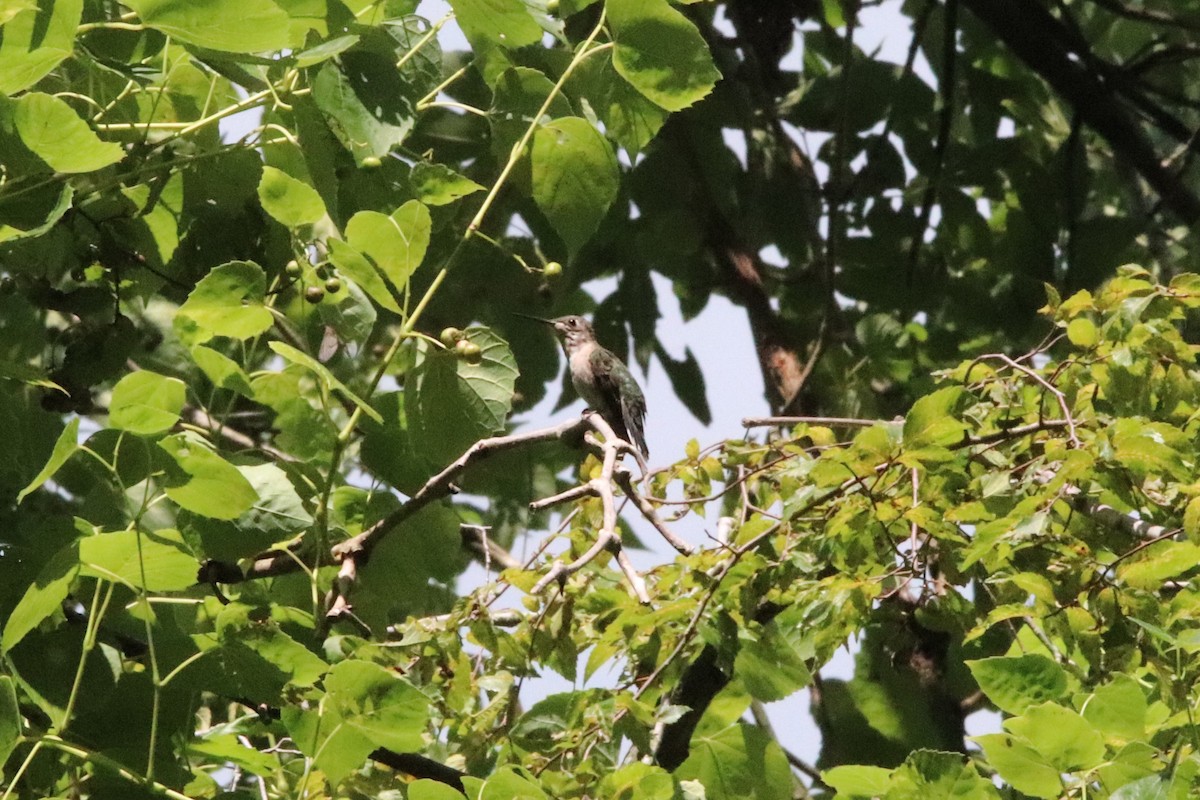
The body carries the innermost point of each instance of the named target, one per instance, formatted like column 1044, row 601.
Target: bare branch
column 764, row 422
column 440, row 485
column 643, row 505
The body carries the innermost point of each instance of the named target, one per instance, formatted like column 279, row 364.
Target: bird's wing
column 614, row 380
column 633, row 409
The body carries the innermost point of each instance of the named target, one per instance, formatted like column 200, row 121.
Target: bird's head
column 573, row 330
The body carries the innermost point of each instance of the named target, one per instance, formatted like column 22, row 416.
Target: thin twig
column 849, row 422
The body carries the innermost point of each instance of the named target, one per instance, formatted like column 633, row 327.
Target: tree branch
column 1037, row 38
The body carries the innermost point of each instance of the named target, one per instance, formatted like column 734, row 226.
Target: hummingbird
column 604, row 383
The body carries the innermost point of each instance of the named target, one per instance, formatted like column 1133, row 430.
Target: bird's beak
column 535, row 319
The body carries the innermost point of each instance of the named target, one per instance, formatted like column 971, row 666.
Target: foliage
column 244, row 474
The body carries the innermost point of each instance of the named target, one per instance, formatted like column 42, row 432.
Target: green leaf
column 1191, row 520
column 64, row 448
column 1151, row 787
column 772, row 667
column 427, row 789
column 43, row 597
column 931, row 421
column 327, row 378
column 35, row 40
column 1019, row 765
column 380, row 705
column 366, row 104
column 438, row 185
column 145, row 402
column 660, row 52
column 629, row 118
column 687, row 381
column 517, row 99
column 226, row 302
column 396, row 243
column 34, row 213
column 638, row 781
column 738, row 763
column 511, row 783
column 365, row 707
column 205, row 483
column 451, row 403
column 223, row 371
column 235, row 26
column 574, row 178
column 936, row 775
column 501, row 22
column 355, row 266
column 276, row 515
column 291, row 202
column 10, row 718
column 326, row 50
column 115, row 557
column 1060, row 736
column 51, row 129
column 1082, row 332
column 858, row 780
column 254, row 659
column 1149, row 448
column 1161, row 562
column 1014, row 683
column 1118, row 708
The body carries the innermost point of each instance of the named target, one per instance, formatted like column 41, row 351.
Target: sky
column 720, row 339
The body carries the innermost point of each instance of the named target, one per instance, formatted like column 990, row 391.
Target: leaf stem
column 109, row 765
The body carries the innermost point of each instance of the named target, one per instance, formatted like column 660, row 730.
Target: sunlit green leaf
column 51, row 129
column 1017, row 682
column 35, row 40
column 660, row 52
column 291, row 202
column 396, row 243
column 326, row 377
column 156, row 561
column 205, row 483
column 506, row 23
column 145, row 402
column 226, row 302
column 64, row 448
column 43, row 597
column 1020, row 765
column 238, row 26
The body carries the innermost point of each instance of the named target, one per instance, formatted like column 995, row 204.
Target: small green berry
column 552, row 270
column 292, row 270
column 469, row 351
column 333, row 284
column 314, row 294
column 450, row 337
column 372, row 162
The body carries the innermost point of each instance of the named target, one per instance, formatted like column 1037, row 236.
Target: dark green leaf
column 575, row 178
